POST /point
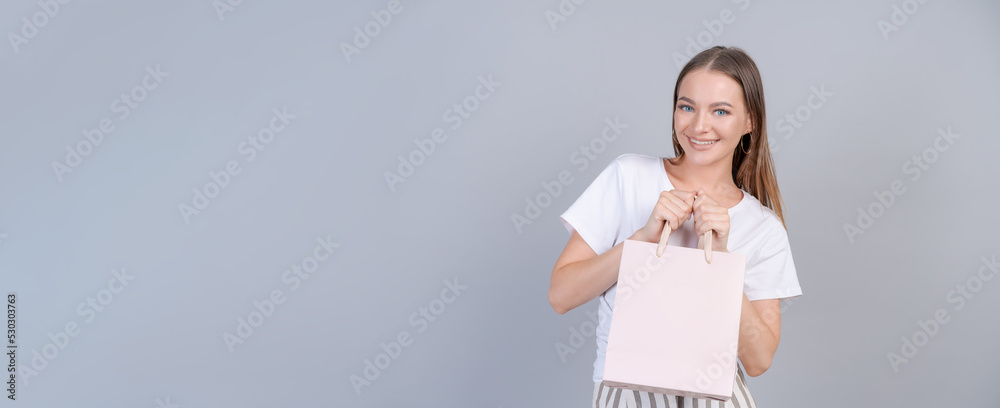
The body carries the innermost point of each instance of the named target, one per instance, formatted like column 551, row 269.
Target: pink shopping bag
column 675, row 325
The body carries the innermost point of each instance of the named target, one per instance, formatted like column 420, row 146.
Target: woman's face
column 710, row 108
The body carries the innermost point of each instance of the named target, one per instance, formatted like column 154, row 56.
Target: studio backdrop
column 222, row 203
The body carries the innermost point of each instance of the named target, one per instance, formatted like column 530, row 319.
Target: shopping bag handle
column 666, row 234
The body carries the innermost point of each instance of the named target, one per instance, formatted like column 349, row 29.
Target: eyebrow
column 688, row 100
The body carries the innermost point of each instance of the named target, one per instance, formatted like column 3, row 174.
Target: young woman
column 721, row 179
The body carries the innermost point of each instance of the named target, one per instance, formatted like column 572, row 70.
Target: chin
column 705, row 157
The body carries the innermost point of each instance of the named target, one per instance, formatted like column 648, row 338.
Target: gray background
column 160, row 340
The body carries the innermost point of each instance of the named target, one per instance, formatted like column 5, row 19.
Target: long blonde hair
column 754, row 171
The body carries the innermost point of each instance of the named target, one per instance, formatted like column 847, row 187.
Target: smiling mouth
column 699, row 143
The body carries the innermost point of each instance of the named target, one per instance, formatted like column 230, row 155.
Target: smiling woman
column 721, row 179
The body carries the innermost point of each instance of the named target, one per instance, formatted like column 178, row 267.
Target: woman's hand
column 709, row 215
column 672, row 208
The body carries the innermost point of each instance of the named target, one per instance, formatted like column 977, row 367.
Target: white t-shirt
column 618, row 203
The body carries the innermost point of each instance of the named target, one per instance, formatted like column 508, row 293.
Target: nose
column 701, row 123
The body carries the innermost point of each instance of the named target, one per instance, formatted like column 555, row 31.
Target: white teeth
column 703, row 143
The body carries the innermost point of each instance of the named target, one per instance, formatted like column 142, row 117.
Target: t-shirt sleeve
column 772, row 275
column 596, row 214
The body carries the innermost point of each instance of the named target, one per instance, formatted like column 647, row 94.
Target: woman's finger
column 686, row 197
column 668, row 210
column 678, row 197
column 683, row 201
column 713, row 221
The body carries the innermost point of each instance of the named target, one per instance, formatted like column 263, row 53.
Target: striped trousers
column 607, row 397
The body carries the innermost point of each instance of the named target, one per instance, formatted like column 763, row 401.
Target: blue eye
column 686, row 108
column 724, row 112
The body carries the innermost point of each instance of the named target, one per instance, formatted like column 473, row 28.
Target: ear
column 749, row 126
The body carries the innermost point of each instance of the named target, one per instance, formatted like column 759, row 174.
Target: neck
column 714, row 178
